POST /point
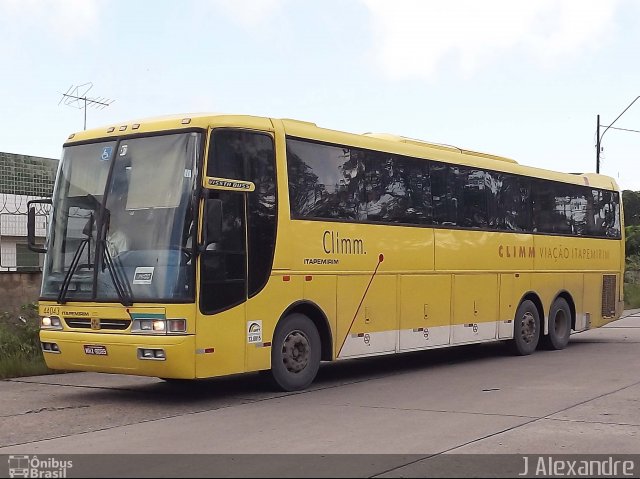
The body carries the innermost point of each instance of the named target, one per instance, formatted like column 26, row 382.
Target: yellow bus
column 209, row 245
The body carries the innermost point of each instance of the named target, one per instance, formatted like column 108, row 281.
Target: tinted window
column 336, row 182
column 353, row 184
column 325, row 181
column 470, row 190
column 249, row 156
column 262, row 211
column 549, row 208
column 398, row 189
column 606, row 213
column 224, row 264
column 227, row 154
column 414, row 184
column 508, row 202
column 580, row 205
column 445, row 206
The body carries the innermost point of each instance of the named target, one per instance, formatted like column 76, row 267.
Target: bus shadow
column 252, row 387
column 355, row 370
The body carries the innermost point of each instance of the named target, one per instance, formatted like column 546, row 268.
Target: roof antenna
column 76, row 97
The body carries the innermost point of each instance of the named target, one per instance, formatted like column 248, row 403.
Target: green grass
column 20, row 353
column 631, row 296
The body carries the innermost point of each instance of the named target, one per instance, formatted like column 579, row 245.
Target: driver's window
column 224, row 264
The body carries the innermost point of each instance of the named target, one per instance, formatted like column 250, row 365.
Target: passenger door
column 234, row 268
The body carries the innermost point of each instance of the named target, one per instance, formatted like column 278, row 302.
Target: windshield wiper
column 75, row 262
column 122, row 286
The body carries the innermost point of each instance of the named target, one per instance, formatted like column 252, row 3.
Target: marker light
column 177, row 325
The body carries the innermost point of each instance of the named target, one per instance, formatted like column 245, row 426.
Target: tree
column 631, row 202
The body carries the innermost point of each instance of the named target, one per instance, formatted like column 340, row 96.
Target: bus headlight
column 159, row 326
column 50, row 322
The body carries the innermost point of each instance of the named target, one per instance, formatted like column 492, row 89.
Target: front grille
column 111, row 324
column 608, row 295
column 78, row 323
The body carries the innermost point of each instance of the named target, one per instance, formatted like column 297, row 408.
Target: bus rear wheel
column 295, row 353
column 526, row 329
column 559, row 326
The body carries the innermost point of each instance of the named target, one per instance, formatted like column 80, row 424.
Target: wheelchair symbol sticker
column 107, row 151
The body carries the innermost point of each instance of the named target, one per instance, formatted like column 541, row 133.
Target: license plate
column 95, row 350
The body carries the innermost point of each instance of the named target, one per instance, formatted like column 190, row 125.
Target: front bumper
column 122, row 354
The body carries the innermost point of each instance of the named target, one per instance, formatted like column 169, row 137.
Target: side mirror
column 213, row 221
column 31, row 226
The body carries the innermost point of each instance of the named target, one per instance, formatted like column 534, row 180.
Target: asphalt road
column 413, row 407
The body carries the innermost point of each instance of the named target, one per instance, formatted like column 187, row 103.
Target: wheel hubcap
column 296, row 351
column 528, row 329
column 561, row 324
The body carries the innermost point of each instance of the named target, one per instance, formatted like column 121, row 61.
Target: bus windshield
column 123, row 221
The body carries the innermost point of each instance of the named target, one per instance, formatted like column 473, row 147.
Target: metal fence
column 22, row 178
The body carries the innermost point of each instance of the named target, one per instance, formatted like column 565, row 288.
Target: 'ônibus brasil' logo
column 28, row 466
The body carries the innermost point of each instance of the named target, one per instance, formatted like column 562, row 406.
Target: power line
column 622, row 129
column 599, row 136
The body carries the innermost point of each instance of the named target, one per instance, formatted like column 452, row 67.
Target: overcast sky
column 519, row 79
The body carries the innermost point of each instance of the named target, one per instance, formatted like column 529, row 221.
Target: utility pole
column 76, row 97
column 598, row 147
column 599, row 136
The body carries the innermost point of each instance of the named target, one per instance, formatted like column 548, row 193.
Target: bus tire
column 295, row 353
column 559, row 326
column 526, row 329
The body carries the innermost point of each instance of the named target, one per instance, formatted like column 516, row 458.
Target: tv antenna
column 76, row 97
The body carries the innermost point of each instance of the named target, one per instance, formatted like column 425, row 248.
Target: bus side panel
column 459, row 250
column 513, row 287
column 558, row 253
column 321, row 291
column 574, row 285
column 592, row 303
column 475, row 307
column 218, row 341
column 425, row 311
column 266, row 308
column 375, row 327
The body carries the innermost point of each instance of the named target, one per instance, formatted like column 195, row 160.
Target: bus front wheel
column 295, row 353
column 559, row 326
column 526, row 329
